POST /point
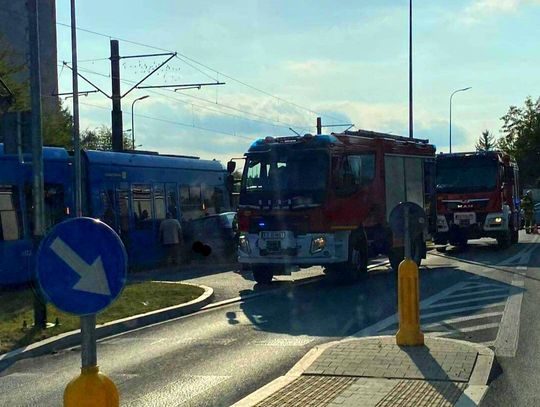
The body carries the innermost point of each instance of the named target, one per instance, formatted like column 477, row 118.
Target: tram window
column 159, row 201
column 55, row 210
column 122, row 196
column 184, row 195
column 213, row 200
column 142, row 206
column 107, row 203
column 190, row 202
column 10, row 219
column 171, row 200
column 195, row 195
column 208, row 204
column 218, row 200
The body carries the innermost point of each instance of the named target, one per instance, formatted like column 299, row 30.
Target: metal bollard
column 409, row 333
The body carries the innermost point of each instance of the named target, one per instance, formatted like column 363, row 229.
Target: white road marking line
column 392, row 319
column 463, row 309
column 523, row 257
column 493, row 290
column 507, row 339
column 475, row 328
column 469, row 318
column 477, row 299
column 485, row 285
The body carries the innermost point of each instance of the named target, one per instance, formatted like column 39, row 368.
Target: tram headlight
column 243, row 244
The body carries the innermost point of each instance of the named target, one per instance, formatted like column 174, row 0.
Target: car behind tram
column 130, row 191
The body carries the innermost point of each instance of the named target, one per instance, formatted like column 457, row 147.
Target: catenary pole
column 40, row 308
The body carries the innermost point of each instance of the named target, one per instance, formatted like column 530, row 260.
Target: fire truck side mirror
column 231, row 166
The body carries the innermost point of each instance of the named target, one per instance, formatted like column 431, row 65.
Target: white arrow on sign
column 93, row 277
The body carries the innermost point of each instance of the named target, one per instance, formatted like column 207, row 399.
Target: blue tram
column 131, row 192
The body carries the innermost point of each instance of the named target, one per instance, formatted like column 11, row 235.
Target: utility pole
column 40, row 307
column 116, row 95
column 76, row 136
column 319, row 125
column 116, row 114
column 410, row 73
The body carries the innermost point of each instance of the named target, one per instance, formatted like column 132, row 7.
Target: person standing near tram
column 170, row 235
column 527, row 204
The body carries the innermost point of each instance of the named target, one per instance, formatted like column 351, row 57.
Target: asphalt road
column 218, row 356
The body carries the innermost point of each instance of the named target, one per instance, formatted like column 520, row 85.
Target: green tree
column 57, row 127
column 100, row 138
column 486, row 142
column 11, row 74
column 56, row 122
column 521, row 139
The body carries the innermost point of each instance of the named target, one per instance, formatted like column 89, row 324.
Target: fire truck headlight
column 498, row 220
column 243, row 243
column 318, row 244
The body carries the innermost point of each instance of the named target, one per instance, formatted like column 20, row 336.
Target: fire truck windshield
column 466, row 174
column 287, row 174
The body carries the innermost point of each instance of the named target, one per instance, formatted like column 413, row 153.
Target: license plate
column 465, row 218
column 273, row 245
column 273, row 235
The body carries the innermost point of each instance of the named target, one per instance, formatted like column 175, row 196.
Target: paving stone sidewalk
column 374, row 371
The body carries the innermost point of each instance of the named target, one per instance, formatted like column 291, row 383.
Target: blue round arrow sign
column 81, row 266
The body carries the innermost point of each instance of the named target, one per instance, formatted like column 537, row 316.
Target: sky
column 285, row 63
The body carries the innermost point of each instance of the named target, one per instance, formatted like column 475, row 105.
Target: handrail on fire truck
column 374, row 134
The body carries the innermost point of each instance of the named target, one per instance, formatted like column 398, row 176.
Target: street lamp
column 450, row 121
column 133, row 122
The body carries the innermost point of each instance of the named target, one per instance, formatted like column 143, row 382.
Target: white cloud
column 480, row 9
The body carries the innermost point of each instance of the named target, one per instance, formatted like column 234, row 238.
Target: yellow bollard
column 91, row 389
column 409, row 333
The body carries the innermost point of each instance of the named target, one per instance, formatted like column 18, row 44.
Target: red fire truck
column 326, row 199
column 477, row 196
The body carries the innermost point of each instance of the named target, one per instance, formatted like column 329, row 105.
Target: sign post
column 82, row 269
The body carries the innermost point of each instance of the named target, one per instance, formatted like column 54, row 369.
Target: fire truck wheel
column 515, row 236
column 262, row 275
column 397, row 254
column 504, row 240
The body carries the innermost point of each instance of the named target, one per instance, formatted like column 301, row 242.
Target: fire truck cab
column 477, row 196
column 326, row 199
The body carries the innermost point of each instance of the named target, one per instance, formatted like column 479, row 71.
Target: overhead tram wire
column 159, row 119
column 268, row 121
column 204, row 66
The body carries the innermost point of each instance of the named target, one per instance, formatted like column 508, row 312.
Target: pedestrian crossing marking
column 494, row 290
column 477, row 299
column 442, row 313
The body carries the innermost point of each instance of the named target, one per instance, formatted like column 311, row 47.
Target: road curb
column 73, row 338
column 472, row 396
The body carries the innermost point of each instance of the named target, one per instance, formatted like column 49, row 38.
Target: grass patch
column 16, row 308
